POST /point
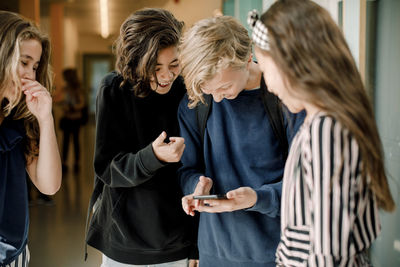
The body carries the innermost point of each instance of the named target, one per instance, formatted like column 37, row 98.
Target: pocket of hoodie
column 132, row 229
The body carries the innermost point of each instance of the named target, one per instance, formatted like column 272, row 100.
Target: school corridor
column 57, row 226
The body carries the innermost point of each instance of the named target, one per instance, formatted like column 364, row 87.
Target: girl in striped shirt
column 334, row 180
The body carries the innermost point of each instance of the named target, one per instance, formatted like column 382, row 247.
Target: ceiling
column 86, row 13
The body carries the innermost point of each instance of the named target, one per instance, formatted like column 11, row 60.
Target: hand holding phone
column 203, row 197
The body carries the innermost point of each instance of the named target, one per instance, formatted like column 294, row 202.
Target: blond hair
column 309, row 48
column 13, row 30
column 208, row 47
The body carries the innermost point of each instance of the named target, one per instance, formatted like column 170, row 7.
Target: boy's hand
column 240, row 198
column 203, row 187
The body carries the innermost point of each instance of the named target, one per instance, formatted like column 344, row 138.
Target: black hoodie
column 138, row 218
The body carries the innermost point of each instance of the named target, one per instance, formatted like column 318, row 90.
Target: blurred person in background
column 73, row 104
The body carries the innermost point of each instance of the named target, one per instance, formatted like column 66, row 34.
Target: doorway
column 95, row 67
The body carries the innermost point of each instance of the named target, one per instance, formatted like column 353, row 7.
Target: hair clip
column 260, row 32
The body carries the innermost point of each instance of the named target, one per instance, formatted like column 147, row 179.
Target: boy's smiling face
column 228, row 83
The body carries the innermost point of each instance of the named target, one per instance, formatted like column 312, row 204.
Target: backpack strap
column 202, row 112
column 273, row 107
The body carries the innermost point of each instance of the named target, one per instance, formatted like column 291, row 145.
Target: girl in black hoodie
column 138, row 219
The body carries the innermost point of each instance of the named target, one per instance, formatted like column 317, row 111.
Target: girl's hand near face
column 44, row 170
column 38, row 99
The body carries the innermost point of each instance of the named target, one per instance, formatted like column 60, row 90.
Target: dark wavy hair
column 15, row 29
column 142, row 35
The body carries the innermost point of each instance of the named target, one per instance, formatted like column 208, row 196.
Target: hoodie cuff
column 150, row 161
column 266, row 202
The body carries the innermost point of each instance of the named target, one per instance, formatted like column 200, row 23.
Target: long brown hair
column 142, row 35
column 13, row 30
column 309, row 48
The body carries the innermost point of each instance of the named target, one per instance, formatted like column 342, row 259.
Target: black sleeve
column 114, row 164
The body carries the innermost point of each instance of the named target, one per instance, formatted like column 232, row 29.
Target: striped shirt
column 328, row 216
column 21, row 261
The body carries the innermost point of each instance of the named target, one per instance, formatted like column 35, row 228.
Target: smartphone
column 202, row 197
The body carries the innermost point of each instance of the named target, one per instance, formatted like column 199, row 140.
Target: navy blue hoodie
column 239, row 149
column 14, row 216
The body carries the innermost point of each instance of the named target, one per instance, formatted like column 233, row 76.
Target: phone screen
column 220, row 196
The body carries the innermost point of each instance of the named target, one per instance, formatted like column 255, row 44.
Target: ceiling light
column 104, row 18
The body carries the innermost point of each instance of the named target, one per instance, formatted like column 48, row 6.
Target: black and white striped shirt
column 328, row 216
column 21, row 261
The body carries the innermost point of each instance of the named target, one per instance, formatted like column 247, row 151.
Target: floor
column 57, row 231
